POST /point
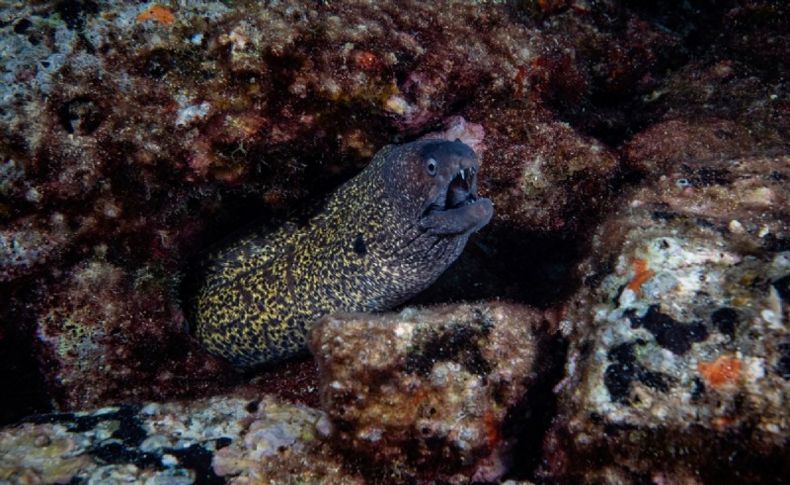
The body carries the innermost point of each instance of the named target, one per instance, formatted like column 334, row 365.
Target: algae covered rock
column 104, row 333
column 646, row 139
column 544, row 175
column 679, row 342
column 426, row 392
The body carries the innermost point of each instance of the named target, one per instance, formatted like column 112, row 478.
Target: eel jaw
column 458, row 209
column 462, row 189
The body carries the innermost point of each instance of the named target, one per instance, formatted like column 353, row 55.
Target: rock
column 425, row 393
column 723, row 109
column 235, row 438
column 542, row 175
column 147, row 132
column 664, row 145
column 679, row 342
column 133, row 136
column 28, row 246
column 94, row 346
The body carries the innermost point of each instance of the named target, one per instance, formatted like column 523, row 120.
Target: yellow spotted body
column 363, row 252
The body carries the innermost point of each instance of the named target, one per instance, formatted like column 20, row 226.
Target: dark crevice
column 528, row 421
column 535, row 268
column 24, row 390
column 74, row 12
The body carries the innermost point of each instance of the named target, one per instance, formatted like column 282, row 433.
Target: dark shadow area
column 23, row 386
column 528, row 422
column 719, row 459
column 613, row 94
column 535, row 268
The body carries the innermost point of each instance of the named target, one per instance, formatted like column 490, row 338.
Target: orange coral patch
column 641, row 274
column 491, row 428
column 158, row 13
column 366, row 60
column 722, row 422
column 721, row 371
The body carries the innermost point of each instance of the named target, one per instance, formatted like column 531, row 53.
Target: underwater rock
column 707, row 112
column 666, row 144
column 679, row 341
column 30, row 245
column 424, row 393
column 134, row 135
column 280, row 444
column 236, row 438
column 543, row 175
column 105, row 335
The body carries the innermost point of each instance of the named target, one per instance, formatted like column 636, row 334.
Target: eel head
column 451, row 206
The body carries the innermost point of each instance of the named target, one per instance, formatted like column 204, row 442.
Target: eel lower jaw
column 464, row 219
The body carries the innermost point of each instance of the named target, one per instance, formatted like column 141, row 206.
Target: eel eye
column 430, row 166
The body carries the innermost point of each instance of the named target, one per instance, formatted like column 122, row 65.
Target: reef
column 637, row 157
column 438, row 407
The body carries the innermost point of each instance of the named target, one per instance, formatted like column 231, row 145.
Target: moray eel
column 383, row 237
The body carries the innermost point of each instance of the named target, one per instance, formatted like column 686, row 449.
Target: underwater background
column 622, row 318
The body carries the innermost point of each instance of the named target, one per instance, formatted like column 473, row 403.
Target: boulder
column 425, row 393
column 679, row 345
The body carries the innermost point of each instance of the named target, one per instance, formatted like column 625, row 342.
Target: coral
column 425, row 392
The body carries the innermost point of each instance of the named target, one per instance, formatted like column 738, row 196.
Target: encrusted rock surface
column 143, row 132
column 555, row 179
column 679, row 344
column 424, row 394
column 99, row 347
column 229, row 439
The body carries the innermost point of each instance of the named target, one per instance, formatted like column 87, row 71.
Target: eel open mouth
column 462, row 190
column 457, row 209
